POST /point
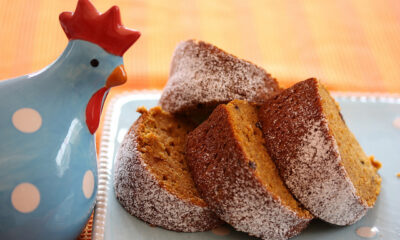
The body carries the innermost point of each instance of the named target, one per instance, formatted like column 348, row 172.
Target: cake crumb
column 141, row 109
column 375, row 162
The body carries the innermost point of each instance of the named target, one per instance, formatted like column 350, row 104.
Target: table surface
column 351, row 45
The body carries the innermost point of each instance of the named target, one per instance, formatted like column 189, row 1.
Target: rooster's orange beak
column 117, row 77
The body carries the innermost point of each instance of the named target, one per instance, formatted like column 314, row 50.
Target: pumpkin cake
column 203, row 76
column 319, row 159
column 152, row 180
column 236, row 177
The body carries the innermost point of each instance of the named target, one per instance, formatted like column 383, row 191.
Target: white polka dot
column 367, row 232
column 396, row 122
column 221, row 231
column 25, row 197
column 27, row 120
column 88, row 184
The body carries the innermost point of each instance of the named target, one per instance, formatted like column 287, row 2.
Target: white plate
column 375, row 120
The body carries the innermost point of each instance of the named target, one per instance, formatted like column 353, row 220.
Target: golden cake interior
column 247, row 130
column 161, row 140
column 361, row 169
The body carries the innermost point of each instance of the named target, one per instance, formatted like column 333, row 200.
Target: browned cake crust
column 227, row 182
column 143, row 196
column 301, row 143
column 203, row 76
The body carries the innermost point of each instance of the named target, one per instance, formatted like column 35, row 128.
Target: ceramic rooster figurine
column 48, row 172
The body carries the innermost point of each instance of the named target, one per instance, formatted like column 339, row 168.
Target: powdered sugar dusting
column 142, row 196
column 230, row 187
column 203, row 74
column 307, row 155
column 320, row 182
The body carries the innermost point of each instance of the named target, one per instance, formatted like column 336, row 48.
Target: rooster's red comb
column 105, row 30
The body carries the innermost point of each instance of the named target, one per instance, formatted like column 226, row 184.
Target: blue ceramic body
column 56, row 157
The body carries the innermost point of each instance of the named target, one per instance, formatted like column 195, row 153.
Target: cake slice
column 152, row 180
column 319, row 159
column 203, row 76
column 236, row 177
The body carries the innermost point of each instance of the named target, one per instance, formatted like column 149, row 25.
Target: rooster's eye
column 94, row 62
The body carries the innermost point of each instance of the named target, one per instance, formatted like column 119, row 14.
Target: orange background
column 351, row 45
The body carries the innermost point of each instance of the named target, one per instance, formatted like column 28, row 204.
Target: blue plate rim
column 109, row 132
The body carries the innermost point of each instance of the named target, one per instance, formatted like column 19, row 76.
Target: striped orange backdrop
column 351, row 45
